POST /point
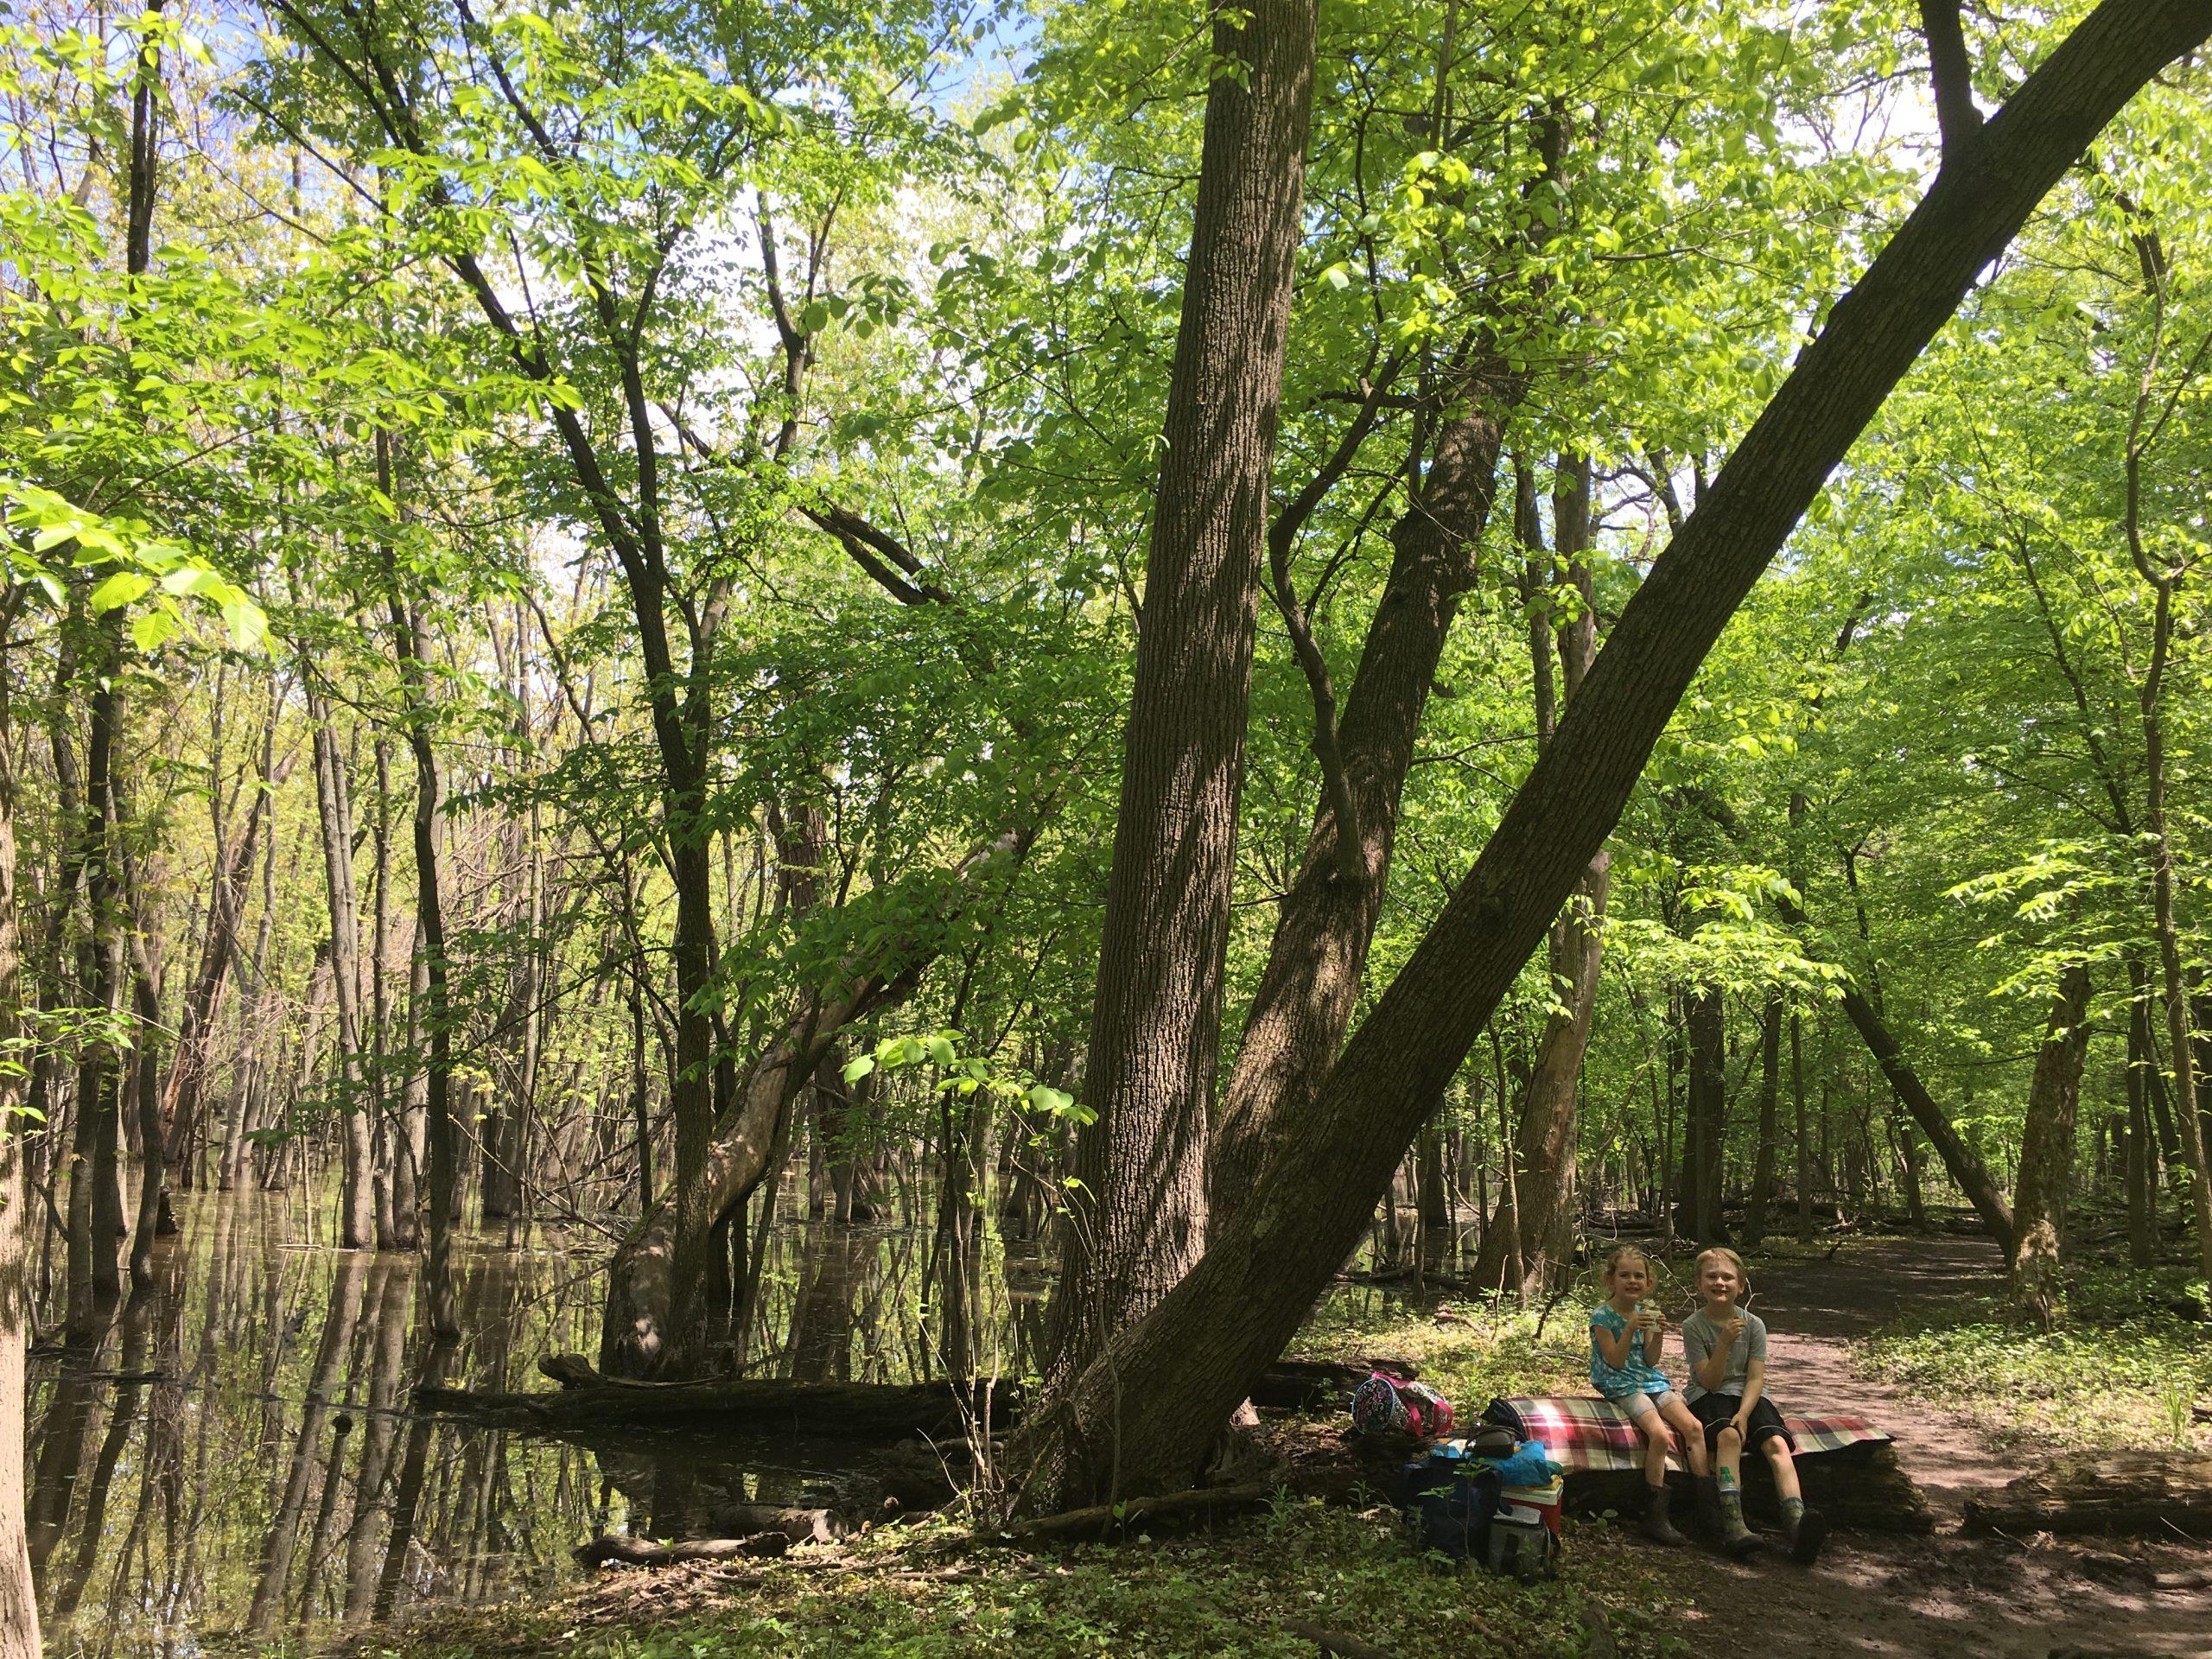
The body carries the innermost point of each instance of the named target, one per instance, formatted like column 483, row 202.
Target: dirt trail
column 1977, row 1598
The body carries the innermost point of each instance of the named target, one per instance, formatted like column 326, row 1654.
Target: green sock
column 1793, row 1510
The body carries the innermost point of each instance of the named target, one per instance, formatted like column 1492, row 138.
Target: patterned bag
column 1384, row 1405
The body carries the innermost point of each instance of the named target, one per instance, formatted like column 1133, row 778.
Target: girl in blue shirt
column 1626, row 1340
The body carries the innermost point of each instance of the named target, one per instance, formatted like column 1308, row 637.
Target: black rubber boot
column 1708, row 1508
column 1805, row 1536
column 1656, row 1526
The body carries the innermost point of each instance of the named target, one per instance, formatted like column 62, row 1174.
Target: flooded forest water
column 232, row 1459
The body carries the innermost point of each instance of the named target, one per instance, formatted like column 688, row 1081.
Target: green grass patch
column 2125, row 1367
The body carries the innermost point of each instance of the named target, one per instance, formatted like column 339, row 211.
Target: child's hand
column 1732, row 1329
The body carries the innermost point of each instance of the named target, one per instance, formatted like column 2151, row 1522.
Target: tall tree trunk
column 2181, row 1047
column 19, row 1631
column 95, row 1196
column 2142, row 1191
column 1706, row 1123
column 357, row 1206
column 1147, row 1411
column 1804, row 1135
column 146, row 1003
column 2047, row 1144
column 1139, row 1219
column 435, row 1022
column 1761, row 1199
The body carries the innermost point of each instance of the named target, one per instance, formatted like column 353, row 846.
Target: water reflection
column 231, row 1452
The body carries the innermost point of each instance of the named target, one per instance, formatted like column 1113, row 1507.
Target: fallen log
column 798, row 1525
column 1105, row 1520
column 1863, row 1488
column 848, row 1410
column 637, row 1552
column 2123, row 1494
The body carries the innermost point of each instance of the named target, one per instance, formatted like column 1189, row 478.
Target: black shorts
column 1717, row 1411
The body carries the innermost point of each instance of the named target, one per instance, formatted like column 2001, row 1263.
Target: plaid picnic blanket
column 1593, row 1433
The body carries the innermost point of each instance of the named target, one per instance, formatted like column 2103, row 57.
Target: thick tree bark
column 2046, row 1177
column 1142, row 1416
column 1139, row 1219
column 95, row 1193
column 19, row 1630
column 1804, row 1133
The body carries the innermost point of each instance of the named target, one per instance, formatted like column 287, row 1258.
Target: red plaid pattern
column 1593, row 1433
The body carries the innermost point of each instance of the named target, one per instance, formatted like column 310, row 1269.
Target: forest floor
column 1347, row 1568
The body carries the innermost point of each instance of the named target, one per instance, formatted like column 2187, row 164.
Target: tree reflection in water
column 231, row 1450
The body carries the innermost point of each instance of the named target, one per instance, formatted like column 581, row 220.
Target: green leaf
column 118, row 590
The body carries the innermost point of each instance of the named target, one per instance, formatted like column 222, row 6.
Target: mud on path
column 1977, row 1598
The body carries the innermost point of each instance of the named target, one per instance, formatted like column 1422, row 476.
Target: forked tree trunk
column 2047, row 1144
column 1534, row 1225
column 1139, row 1220
column 1143, row 1416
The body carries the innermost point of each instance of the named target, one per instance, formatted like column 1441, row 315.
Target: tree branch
column 1951, row 73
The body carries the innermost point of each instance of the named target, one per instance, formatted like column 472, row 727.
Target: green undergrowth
column 1468, row 1349
column 1233, row 1592
column 2124, row 1366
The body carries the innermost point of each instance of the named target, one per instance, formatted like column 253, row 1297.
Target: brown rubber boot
column 1656, row 1525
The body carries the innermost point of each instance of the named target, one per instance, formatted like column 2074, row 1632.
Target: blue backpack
column 1450, row 1499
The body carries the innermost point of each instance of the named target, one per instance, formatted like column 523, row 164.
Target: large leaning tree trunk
column 2047, row 1143
column 1139, row 1219
column 1145, row 1413
column 1960, row 1161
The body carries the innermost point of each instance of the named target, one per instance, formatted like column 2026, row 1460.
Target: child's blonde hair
column 1627, row 1253
column 1722, row 1253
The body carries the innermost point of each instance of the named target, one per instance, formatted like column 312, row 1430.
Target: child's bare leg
column 1685, row 1422
column 1784, row 1468
column 1728, row 1456
column 1804, row 1529
column 1656, row 1444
